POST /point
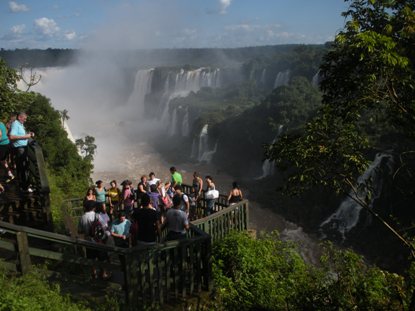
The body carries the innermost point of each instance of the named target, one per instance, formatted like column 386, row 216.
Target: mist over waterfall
column 347, row 216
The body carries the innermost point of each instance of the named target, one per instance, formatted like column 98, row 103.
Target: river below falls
column 140, row 159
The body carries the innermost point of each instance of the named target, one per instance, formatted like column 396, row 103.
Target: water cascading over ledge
column 347, row 216
column 200, row 146
column 268, row 166
column 283, row 78
column 181, row 84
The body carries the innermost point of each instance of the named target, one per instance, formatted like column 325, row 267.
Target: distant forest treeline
column 38, row 58
column 158, row 57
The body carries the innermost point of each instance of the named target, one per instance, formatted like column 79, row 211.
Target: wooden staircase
column 24, row 208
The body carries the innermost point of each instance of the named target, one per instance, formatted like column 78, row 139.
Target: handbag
column 212, row 194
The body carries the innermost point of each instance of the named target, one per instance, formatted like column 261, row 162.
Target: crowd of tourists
column 128, row 215
column 124, row 216
column 14, row 140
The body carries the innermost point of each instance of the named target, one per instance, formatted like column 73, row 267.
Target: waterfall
column 68, row 131
column 347, row 215
column 173, row 124
column 194, row 80
column 203, row 142
column 315, row 81
column 263, row 76
column 186, row 82
column 283, row 78
column 207, row 156
column 167, row 84
column 185, row 123
column 268, row 167
column 142, row 87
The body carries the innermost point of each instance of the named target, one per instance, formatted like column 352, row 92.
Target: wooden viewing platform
column 143, row 275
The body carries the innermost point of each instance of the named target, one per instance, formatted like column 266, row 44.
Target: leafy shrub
column 32, row 292
column 269, row 274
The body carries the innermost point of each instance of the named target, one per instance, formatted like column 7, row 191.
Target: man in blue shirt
column 120, row 230
column 19, row 138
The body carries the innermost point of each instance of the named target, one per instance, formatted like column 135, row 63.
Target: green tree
column 68, row 172
column 368, row 103
column 87, row 147
column 8, row 100
column 269, row 274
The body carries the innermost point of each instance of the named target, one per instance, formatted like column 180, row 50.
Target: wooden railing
column 37, row 169
column 149, row 275
column 232, row 218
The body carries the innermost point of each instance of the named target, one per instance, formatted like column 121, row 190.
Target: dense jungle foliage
column 269, row 274
column 368, row 106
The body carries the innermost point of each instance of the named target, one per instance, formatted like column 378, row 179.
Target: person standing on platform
column 176, row 221
column 5, row 151
column 176, row 177
column 20, row 139
column 114, row 197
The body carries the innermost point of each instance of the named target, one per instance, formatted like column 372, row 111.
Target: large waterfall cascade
column 184, row 83
column 142, row 87
column 347, row 215
column 268, row 167
column 283, row 78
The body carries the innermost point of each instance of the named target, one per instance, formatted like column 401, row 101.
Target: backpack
column 97, row 231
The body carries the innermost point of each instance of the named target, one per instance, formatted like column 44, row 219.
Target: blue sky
column 167, row 23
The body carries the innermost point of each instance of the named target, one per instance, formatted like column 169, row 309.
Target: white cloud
column 224, row 4
column 249, row 34
column 46, row 26
column 18, row 29
column 242, row 27
column 70, row 35
column 16, row 8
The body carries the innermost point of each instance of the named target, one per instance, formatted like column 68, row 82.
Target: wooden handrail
column 220, row 213
column 38, row 176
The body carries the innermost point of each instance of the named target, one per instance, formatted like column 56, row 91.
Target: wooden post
column 130, row 280
column 23, row 250
column 246, row 208
column 207, row 264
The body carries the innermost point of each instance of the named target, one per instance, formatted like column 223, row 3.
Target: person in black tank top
column 235, row 195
